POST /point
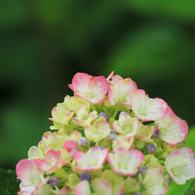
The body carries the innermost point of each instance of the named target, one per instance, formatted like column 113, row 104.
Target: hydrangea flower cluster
column 110, row 138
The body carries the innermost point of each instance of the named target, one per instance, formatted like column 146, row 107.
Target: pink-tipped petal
column 92, row 160
column 125, row 162
column 123, row 142
column 80, row 157
column 172, row 129
column 70, row 145
column 180, row 165
column 110, row 76
column 51, row 162
column 97, row 133
column 102, row 187
column 154, row 181
column 64, row 191
column 146, row 108
column 121, row 91
column 83, row 188
column 70, row 86
column 92, row 89
column 126, row 125
column 27, row 171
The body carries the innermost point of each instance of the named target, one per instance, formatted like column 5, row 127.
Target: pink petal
column 188, row 151
column 51, row 162
column 177, row 129
column 94, row 153
column 83, row 188
column 35, row 191
column 110, row 76
column 114, row 78
column 80, row 82
column 70, row 86
column 70, row 145
column 27, row 171
column 146, row 108
column 122, row 88
column 182, row 160
column 132, row 158
column 79, row 122
column 103, row 154
column 64, row 191
column 80, row 157
column 52, row 156
column 102, row 187
column 92, row 89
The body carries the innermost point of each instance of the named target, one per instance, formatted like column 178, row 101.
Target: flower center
column 93, row 162
column 122, row 98
column 142, row 110
column 128, row 129
column 37, row 182
column 122, row 165
column 140, row 144
column 163, row 130
column 176, row 171
column 90, row 95
column 149, row 183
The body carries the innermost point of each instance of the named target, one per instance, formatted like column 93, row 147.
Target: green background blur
column 44, row 43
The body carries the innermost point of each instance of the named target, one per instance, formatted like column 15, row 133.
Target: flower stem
column 93, row 107
column 161, row 161
column 105, row 110
column 115, row 112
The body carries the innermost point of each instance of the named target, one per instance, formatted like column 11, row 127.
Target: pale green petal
column 35, row 153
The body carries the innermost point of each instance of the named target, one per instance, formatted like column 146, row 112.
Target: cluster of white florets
column 110, row 138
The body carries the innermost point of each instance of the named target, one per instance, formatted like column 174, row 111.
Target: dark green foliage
column 9, row 184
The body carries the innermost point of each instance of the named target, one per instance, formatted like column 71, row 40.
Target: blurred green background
column 44, row 43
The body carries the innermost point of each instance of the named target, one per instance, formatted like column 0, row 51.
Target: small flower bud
column 83, row 142
column 155, row 134
column 104, row 115
column 154, row 143
column 114, row 150
column 159, row 149
column 153, row 160
column 101, row 147
column 72, row 152
column 167, row 179
column 123, row 113
column 112, row 136
column 163, row 156
column 85, row 176
column 150, row 148
column 142, row 169
column 54, row 181
column 74, row 141
column 70, row 110
column 139, row 144
column 112, row 131
column 137, row 193
column 133, row 176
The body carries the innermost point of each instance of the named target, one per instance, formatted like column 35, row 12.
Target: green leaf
column 179, row 189
column 191, row 189
column 189, row 141
column 9, row 184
